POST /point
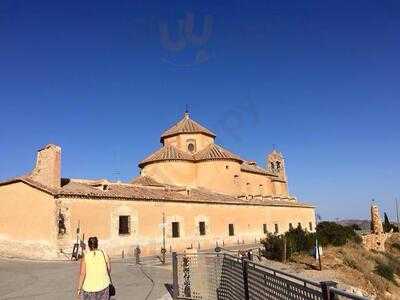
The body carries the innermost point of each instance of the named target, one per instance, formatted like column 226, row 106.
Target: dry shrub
column 357, row 258
column 385, row 270
column 380, row 284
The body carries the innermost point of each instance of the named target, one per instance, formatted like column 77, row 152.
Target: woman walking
column 94, row 276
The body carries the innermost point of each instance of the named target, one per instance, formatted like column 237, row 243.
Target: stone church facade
column 191, row 192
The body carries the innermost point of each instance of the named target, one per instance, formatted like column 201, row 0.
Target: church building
column 190, row 193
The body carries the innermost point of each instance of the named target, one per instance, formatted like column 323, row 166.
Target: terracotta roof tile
column 134, row 192
column 214, row 151
column 71, row 188
column 254, row 168
column 166, row 153
column 186, row 125
column 146, row 181
column 211, row 152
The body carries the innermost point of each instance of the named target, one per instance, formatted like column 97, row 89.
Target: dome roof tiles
column 186, row 125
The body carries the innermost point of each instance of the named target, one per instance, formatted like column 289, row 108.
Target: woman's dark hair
column 93, row 243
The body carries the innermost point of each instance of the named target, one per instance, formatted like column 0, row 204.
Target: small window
column 124, row 225
column 231, row 230
column 261, row 189
column 202, row 228
column 310, row 226
column 175, row 229
column 227, row 167
column 236, row 179
column 265, row 229
column 276, row 229
column 290, row 226
column 191, row 145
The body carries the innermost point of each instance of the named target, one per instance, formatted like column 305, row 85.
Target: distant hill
column 363, row 224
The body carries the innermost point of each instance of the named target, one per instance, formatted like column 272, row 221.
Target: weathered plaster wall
column 172, row 172
column 100, row 218
column 218, row 175
column 255, row 184
column 180, row 141
column 28, row 225
column 215, row 175
column 280, row 188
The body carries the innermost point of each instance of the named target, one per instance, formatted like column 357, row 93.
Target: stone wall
column 375, row 241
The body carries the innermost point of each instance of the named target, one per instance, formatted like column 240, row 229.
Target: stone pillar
column 376, row 222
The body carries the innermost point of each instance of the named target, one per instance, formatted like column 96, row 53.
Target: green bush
column 355, row 226
column 331, row 233
column 385, row 270
column 273, row 247
column 297, row 240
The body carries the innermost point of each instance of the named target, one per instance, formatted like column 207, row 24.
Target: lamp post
column 163, row 250
column 317, row 243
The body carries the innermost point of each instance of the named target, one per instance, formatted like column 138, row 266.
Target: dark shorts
column 102, row 295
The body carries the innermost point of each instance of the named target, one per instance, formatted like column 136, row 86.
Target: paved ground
column 57, row 280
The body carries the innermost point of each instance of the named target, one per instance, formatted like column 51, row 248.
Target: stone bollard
column 163, row 252
column 137, row 254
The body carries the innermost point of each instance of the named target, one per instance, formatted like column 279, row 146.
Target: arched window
column 191, row 145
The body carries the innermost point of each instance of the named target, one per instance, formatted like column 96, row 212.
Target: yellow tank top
column 96, row 278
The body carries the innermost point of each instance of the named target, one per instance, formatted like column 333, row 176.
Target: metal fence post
column 245, row 266
column 325, row 285
column 175, row 286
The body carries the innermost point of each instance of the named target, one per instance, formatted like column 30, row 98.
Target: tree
column 386, row 224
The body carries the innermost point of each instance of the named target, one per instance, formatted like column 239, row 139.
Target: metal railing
column 221, row 276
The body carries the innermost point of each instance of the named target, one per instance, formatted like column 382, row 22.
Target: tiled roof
column 166, row 153
column 121, row 191
column 211, row 152
column 253, row 168
column 176, row 194
column 27, row 179
column 186, row 125
column 146, row 181
column 214, row 151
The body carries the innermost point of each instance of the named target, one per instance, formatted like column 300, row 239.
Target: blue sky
column 103, row 79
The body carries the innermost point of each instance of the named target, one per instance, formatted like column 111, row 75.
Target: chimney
column 48, row 166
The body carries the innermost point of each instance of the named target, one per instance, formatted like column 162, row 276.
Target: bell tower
column 276, row 164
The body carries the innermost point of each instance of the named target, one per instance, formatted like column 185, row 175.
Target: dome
column 186, row 125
